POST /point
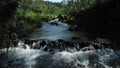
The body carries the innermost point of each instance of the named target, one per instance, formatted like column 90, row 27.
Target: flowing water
column 54, row 32
column 69, row 57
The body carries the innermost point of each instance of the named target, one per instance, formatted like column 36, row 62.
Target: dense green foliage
column 74, row 6
column 30, row 13
column 18, row 18
column 101, row 19
column 7, row 22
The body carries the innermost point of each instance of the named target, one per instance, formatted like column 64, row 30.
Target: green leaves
column 77, row 5
column 18, row 18
column 30, row 14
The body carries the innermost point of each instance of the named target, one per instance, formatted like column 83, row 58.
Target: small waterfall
column 50, row 48
column 62, row 44
column 27, row 46
column 61, row 54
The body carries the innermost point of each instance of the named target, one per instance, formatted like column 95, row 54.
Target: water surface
column 54, row 32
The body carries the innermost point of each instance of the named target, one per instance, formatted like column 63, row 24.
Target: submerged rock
column 60, row 44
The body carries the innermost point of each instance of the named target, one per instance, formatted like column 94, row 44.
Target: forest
column 18, row 18
column 66, row 34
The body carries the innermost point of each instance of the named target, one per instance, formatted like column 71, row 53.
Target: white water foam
column 31, row 58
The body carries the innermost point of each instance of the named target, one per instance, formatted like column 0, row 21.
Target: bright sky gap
column 54, row 0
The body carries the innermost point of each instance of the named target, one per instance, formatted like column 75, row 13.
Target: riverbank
column 101, row 20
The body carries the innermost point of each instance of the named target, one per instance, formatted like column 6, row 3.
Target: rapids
column 33, row 58
column 61, row 56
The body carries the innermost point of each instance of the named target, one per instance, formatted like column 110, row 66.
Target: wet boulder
column 54, row 23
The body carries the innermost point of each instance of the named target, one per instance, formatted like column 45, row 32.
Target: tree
column 77, row 5
column 7, row 11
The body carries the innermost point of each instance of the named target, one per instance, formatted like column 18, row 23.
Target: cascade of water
column 34, row 58
column 27, row 46
column 61, row 45
column 60, row 53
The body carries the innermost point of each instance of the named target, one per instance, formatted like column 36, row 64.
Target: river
column 67, row 58
column 54, row 32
